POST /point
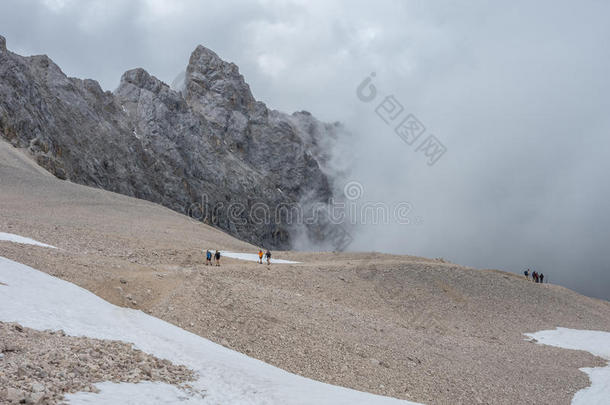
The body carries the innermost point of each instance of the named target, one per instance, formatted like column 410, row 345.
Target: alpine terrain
column 109, row 202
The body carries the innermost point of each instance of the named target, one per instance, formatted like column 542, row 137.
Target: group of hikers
column 208, row 257
column 536, row 277
column 216, row 256
column 267, row 256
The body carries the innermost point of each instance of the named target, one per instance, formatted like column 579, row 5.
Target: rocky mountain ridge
column 210, row 150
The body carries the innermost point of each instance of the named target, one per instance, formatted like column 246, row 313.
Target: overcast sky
column 517, row 92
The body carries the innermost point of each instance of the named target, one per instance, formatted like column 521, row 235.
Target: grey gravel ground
column 39, row 367
column 402, row 326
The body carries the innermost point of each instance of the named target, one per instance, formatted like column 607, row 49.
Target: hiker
column 268, row 256
column 260, row 256
column 535, row 277
column 217, row 257
column 527, row 274
column 208, row 258
column 541, row 278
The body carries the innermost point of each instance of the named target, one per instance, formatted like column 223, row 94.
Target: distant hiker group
column 209, row 255
column 536, row 277
column 216, row 256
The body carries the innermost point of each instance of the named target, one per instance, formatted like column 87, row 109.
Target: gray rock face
column 210, row 150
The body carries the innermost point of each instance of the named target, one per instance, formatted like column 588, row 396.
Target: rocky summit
column 208, row 149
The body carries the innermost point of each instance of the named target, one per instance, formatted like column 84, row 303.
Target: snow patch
column 146, row 392
column 10, row 237
column 40, row 301
column 253, row 257
column 594, row 342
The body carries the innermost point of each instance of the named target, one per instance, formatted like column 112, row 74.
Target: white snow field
column 594, row 342
column 10, row 237
column 39, row 301
column 253, row 257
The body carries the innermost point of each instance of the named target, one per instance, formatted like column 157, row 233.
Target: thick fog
column 516, row 93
